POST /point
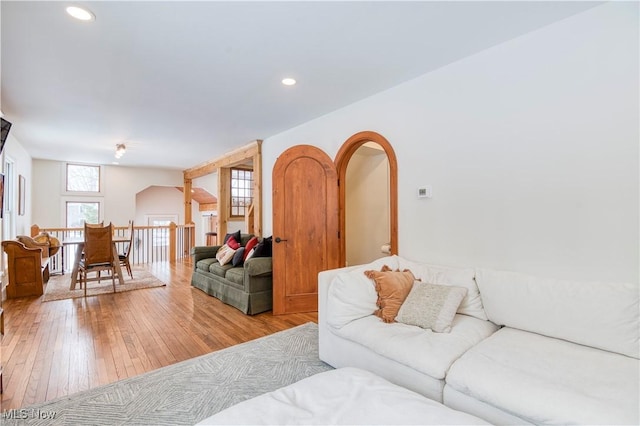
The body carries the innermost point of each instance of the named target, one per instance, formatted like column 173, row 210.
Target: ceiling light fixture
column 288, row 81
column 81, row 13
column 120, row 150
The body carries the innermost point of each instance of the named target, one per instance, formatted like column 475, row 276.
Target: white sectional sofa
column 521, row 349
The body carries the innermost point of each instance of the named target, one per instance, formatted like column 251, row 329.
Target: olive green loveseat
column 247, row 287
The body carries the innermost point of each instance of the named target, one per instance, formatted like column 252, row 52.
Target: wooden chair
column 124, row 258
column 98, row 254
column 91, row 225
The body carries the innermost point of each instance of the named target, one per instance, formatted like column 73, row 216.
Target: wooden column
column 224, row 187
column 257, row 190
column 172, row 242
column 187, row 200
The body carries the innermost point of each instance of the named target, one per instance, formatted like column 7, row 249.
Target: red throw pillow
column 250, row 244
column 232, row 243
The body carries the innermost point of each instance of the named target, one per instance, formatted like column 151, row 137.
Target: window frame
column 241, row 208
column 65, row 180
column 68, row 201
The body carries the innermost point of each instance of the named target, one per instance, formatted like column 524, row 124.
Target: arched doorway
column 309, row 200
column 344, row 156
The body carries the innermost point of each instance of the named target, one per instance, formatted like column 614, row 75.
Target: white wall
column 161, row 201
column 208, row 182
column 121, row 184
column 14, row 150
column 531, row 147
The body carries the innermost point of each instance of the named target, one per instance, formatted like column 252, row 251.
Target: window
column 241, row 191
column 81, row 178
column 79, row 212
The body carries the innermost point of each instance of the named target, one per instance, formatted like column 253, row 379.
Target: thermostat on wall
column 425, row 192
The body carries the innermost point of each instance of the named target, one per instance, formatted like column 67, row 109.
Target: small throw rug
column 58, row 286
column 189, row 391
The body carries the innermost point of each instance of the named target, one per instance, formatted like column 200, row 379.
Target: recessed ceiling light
column 80, row 13
column 288, row 81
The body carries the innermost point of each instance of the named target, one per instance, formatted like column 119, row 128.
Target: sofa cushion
column 344, row 396
column 204, row 264
column 392, row 288
column 235, row 276
column 423, row 350
column 220, row 270
column 450, row 275
column 259, row 267
column 244, row 239
column 602, row 315
column 431, row 306
column 549, row 381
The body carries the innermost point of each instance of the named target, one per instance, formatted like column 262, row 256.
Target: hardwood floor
column 54, row 349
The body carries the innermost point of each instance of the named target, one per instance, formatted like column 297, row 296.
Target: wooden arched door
column 305, row 227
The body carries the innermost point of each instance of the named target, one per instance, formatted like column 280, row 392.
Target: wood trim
column 233, row 158
column 257, row 192
column 251, row 151
column 207, row 207
column 343, row 156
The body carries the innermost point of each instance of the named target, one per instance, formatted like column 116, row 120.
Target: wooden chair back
column 127, row 250
column 94, row 225
column 124, row 258
column 98, row 244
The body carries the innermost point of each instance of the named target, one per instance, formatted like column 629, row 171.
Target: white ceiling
column 181, row 83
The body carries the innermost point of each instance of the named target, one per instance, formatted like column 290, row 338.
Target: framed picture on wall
column 21, row 190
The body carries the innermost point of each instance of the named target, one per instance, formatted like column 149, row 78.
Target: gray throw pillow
column 431, row 306
column 238, row 257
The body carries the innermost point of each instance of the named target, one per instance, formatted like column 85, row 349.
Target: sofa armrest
column 258, row 266
column 325, row 278
column 203, row 252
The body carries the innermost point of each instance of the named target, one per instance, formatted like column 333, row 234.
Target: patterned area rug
column 190, row 391
column 58, row 286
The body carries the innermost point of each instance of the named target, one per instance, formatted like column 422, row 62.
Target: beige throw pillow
column 392, row 288
column 431, row 306
column 225, row 254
